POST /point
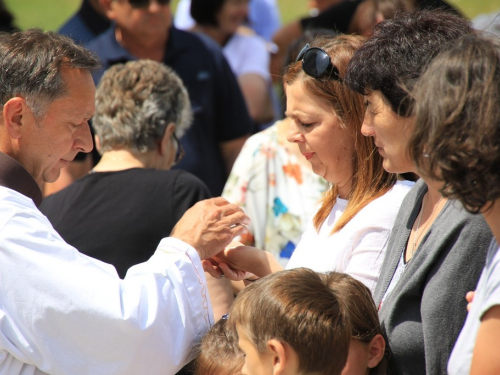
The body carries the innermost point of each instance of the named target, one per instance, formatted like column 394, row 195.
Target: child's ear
column 376, row 350
column 284, row 358
column 97, row 142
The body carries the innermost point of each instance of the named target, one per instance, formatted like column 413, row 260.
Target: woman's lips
column 308, row 155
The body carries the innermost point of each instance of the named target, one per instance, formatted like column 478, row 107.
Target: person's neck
column 492, row 217
column 96, row 6
column 118, row 160
column 213, row 32
column 151, row 47
column 433, row 194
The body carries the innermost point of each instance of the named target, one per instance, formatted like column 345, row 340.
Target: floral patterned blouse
column 276, row 191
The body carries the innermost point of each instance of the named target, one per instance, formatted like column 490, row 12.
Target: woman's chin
column 319, row 170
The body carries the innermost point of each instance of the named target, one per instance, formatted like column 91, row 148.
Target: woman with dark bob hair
column 437, row 248
column 457, row 143
column 246, row 53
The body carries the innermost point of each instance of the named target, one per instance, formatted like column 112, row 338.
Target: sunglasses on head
column 145, row 3
column 317, row 63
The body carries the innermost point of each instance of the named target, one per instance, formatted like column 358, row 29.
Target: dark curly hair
column 458, row 121
column 395, row 56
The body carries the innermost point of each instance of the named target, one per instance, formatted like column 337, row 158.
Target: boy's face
column 255, row 362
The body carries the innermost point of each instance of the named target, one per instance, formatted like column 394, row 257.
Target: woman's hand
column 238, row 262
column 219, row 270
column 470, row 298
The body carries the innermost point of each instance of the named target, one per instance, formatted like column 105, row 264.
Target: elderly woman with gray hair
column 130, row 200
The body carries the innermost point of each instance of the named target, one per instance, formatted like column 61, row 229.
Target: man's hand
column 210, row 225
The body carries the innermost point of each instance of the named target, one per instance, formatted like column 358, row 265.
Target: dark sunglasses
column 317, row 63
column 145, row 3
column 179, row 154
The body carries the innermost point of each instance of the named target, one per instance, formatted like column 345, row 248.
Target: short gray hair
column 30, row 66
column 135, row 102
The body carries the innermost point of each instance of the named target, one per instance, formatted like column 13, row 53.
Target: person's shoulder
column 400, row 189
column 395, row 196
column 14, row 204
column 459, row 215
column 249, row 39
column 416, row 191
column 102, row 41
column 13, row 197
column 265, row 137
column 196, row 40
column 77, row 30
column 67, row 195
column 383, row 210
column 200, row 46
column 249, row 46
column 173, row 177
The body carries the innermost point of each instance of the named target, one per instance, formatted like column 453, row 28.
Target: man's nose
column 83, row 141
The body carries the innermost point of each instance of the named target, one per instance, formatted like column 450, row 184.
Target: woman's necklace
column 419, row 231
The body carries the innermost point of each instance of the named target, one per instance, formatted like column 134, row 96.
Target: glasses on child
column 179, row 153
column 317, row 63
column 145, row 3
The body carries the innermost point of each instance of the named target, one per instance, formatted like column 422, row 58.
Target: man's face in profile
column 53, row 142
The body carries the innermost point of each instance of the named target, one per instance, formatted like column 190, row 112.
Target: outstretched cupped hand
column 210, row 225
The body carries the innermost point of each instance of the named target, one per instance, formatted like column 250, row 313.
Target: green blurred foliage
column 50, row 14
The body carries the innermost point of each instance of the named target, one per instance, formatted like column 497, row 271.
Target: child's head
column 219, row 352
column 367, row 347
column 299, row 321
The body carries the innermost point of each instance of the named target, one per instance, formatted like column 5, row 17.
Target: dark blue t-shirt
column 220, row 113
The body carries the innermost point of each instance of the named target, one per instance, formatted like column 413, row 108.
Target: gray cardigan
column 426, row 310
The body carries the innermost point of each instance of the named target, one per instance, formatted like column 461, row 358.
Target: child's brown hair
column 219, row 351
column 299, row 308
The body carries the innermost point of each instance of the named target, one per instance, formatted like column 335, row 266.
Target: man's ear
column 166, row 141
column 284, row 358
column 376, row 350
column 14, row 112
column 107, row 8
column 97, row 143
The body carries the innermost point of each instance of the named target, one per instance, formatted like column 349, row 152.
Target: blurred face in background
column 140, row 17
column 232, row 15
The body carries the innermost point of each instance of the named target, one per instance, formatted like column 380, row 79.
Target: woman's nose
column 367, row 128
column 293, row 135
